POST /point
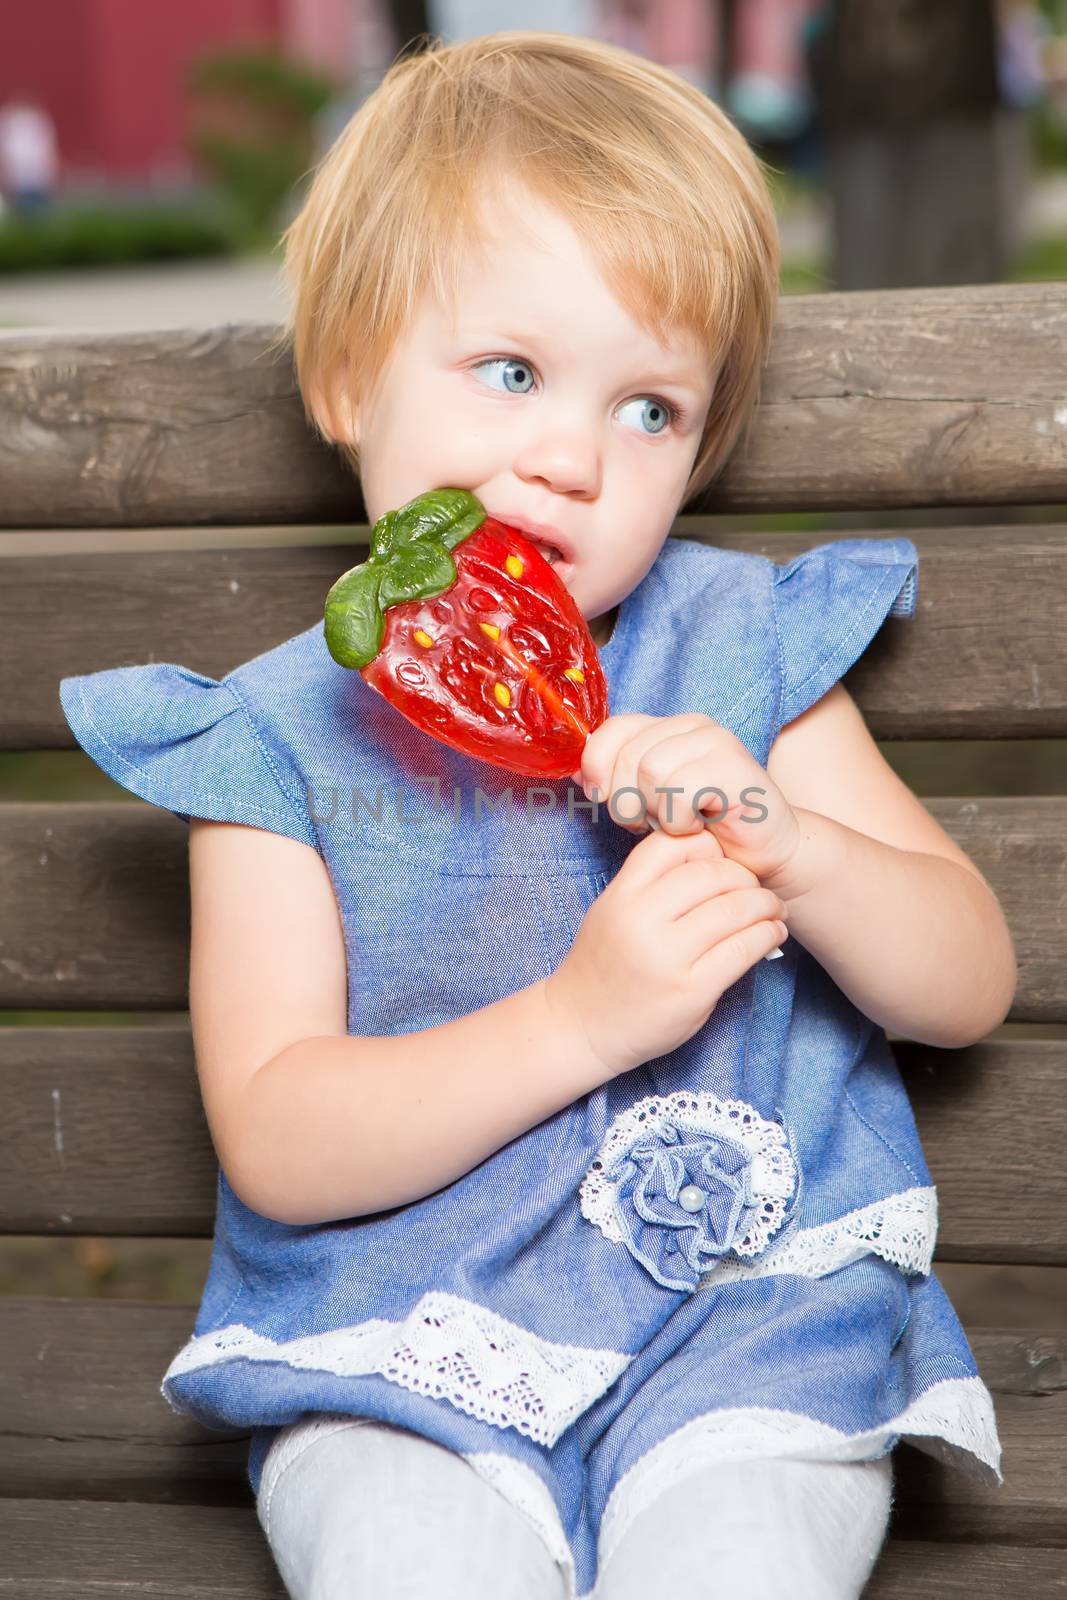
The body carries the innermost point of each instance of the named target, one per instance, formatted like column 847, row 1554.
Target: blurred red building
column 110, row 72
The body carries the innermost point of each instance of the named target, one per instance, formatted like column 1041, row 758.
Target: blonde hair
column 662, row 189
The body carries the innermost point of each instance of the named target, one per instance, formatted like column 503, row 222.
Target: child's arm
column 899, row 916
column 311, row 1124
column 915, row 940
column 341, row 1126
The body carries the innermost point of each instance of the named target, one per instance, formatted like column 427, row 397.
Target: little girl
column 565, row 1246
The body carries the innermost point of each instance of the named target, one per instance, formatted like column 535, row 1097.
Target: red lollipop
column 461, row 623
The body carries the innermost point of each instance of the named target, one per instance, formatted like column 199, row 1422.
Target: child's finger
column 601, row 750
column 658, row 852
column 652, row 822
column 774, row 955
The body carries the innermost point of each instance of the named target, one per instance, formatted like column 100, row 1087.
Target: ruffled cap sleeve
column 829, row 603
column 186, row 743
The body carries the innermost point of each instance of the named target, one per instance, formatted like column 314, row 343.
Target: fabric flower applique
column 682, row 1179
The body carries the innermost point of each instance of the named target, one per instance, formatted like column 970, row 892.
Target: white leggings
column 376, row 1512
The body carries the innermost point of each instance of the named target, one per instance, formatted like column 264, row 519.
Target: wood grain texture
column 983, row 656
column 157, row 428
column 95, row 910
column 134, row 1552
column 915, row 397
column 106, row 1136
column 966, row 1572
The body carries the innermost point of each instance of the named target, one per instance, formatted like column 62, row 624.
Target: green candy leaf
column 446, row 515
column 419, row 572
column 387, row 536
column 410, row 560
column 355, row 626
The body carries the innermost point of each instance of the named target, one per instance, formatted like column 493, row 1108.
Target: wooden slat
column 886, row 398
column 911, row 398
column 157, row 429
column 1001, row 1181
column 105, row 1135
column 983, row 656
column 910, row 1571
column 95, row 909
column 84, row 1416
column 134, row 1552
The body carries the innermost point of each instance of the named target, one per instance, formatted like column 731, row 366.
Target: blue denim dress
column 722, row 1252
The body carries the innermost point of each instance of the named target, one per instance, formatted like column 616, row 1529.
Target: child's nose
column 568, row 459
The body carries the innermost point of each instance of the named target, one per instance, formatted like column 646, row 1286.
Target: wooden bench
column 941, row 398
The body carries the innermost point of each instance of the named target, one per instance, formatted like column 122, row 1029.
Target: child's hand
column 675, row 927
column 751, row 818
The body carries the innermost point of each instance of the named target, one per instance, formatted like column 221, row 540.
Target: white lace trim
column 453, row 1349
column 448, row 1348
column 901, row 1227
column 772, row 1171
column 952, row 1415
column 958, row 1411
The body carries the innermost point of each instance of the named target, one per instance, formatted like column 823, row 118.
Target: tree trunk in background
column 723, row 20
column 409, row 18
column 923, row 166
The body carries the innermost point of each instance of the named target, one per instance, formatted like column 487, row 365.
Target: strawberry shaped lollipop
column 461, row 623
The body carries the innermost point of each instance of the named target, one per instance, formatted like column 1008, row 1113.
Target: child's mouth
column 555, row 559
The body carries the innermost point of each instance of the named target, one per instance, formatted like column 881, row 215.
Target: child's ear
column 334, row 410
column 348, row 413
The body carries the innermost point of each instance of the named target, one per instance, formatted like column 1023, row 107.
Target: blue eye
column 663, row 413
column 508, row 361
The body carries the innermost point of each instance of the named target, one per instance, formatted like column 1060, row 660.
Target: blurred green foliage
column 254, row 115
column 266, row 77
column 1044, row 260
column 256, row 182
column 1048, row 136
column 71, row 235
column 253, row 132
